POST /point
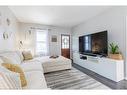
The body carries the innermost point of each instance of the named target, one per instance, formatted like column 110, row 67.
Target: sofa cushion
column 12, row 56
column 35, row 80
column 31, row 66
column 17, row 69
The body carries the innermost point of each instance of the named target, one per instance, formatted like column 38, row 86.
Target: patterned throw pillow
column 16, row 68
column 27, row 55
column 9, row 80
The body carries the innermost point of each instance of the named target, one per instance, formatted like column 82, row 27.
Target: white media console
column 109, row 68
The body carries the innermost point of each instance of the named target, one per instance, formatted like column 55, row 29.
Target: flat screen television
column 94, row 44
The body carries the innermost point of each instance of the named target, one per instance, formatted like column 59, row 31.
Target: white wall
column 113, row 20
column 11, row 43
column 54, row 48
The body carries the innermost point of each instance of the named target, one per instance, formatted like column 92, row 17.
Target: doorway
column 65, row 45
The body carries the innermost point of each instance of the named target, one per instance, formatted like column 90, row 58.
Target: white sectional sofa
column 34, row 69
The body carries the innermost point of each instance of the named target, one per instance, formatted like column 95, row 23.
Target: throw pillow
column 17, row 69
column 1, row 61
column 27, row 55
column 8, row 60
column 9, row 79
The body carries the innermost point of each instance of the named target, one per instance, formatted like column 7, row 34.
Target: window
column 65, row 41
column 42, row 42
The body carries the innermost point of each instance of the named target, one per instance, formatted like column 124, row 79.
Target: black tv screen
column 94, row 44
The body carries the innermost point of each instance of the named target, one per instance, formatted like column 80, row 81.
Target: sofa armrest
column 35, row 80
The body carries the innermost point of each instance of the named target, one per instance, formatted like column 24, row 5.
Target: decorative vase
column 115, row 56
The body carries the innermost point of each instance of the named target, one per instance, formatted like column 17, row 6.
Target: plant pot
column 115, row 56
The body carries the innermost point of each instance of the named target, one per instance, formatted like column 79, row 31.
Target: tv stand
column 94, row 55
column 109, row 68
column 88, row 54
column 89, row 58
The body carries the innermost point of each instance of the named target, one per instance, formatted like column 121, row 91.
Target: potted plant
column 114, row 52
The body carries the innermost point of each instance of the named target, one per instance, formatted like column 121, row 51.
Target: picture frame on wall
column 54, row 38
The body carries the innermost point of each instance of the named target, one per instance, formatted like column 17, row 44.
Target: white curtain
column 42, row 42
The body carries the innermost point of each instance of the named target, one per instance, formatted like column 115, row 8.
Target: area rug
column 72, row 79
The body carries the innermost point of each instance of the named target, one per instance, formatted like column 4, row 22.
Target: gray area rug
column 72, row 79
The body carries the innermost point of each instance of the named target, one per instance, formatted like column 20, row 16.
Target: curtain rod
column 40, row 28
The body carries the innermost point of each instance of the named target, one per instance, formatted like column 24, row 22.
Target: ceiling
column 63, row 16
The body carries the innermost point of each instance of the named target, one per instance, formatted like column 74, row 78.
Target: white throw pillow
column 1, row 61
column 9, row 80
column 20, row 55
column 11, row 55
column 8, row 60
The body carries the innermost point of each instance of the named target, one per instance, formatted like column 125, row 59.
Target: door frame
column 69, row 43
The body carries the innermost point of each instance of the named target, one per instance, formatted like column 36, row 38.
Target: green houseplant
column 114, row 49
column 114, row 52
